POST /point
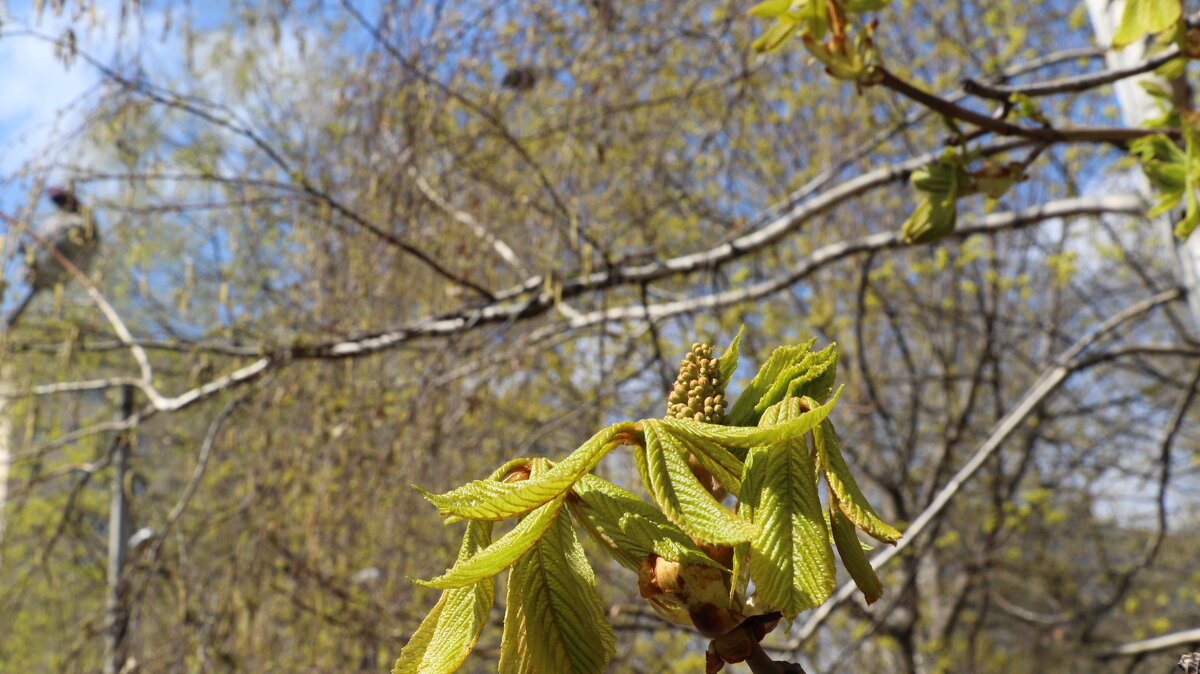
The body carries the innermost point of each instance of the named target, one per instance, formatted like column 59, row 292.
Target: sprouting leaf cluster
column 827, row 31
column 695, row 557
column 944, row 182
column 849, row 53
column 1175, row 172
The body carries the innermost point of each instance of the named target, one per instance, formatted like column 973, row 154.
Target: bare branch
column 1162, row 643
column 1043, row 386
column 1098, row 134
column 1068, row 85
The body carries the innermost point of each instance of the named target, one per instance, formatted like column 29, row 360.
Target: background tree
column 347, row 250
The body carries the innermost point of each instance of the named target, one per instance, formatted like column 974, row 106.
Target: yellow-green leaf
column 853, row 557
column 791, row 562
column 447, row 635
column 1145, row 16
column 555, row 620
column 770, row 8
column 502, row 553
column 850, row 498
column 717, row 460
column 736, row 436
column 729, row 359
column 1191, row 141
column 775, row 35
column 681, row 496
column 749, row 406
column 491, row 500
column 628, row 528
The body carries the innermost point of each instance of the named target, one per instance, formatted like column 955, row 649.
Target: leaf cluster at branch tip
column 696, row 559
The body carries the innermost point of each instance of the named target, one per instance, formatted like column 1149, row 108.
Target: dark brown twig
column 1082, row 134
column 761, row 663
column 1067, row 85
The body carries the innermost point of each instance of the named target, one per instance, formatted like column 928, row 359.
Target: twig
column 211, row 113
column 1160, row 643
column 761, row 663
column 1083, row 134
column 1047, row 383
column 1068, row 84
column 185, row 498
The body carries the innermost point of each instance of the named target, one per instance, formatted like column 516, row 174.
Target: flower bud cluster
column 699, row 393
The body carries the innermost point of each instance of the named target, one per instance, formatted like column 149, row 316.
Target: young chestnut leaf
column 555, row 620
column 492, row 500
column 684, row 501
column 850, row 499
column 628, row 528
column 1142, row 17
column 502, row 553
column 791, row 562
column 447, row 635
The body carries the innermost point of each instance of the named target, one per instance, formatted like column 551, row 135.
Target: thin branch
column 771, row 232
column 1162, row 643
column 1049, row 381
column 197, row 108
column 78, row 386
column 467, row 319
column 821, row 257
column 865, row 148
column 185, row 498
column 114, row 319
column 502, row 249
column 1068, row 85
column 1083, row 134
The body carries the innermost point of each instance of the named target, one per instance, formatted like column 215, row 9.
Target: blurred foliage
column 256, row 167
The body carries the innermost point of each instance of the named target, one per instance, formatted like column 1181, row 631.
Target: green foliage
column 682, row 546
column 845, row 57
column 456, row 621
column 1142, row 17
column 1175, row 172
column 943, row 183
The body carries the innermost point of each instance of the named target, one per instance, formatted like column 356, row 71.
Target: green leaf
column 845, row 488
column 775, row 35
column 812, row 378
column 770, row 9
column 735, row 436
column 853, row 557
column 1169, row 170
column 748, row 409
column 1145, row 16
column 739, row 578
column 722, row 463
column 491, row 500
column 933, row 219
column 555, row 620
column 791, row 563
column 1191, row 141
column 501, row 554
column 628, row 528
column 729, row 359
column 447, row 635
column 680, row 495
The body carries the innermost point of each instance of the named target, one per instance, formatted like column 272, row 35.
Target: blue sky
column 38, row 94
column 43, row 100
